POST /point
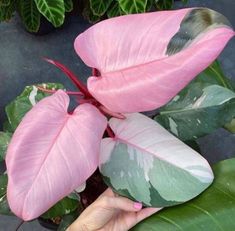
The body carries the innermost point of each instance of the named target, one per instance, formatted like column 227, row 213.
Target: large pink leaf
column 51, row 154
column 146, row 59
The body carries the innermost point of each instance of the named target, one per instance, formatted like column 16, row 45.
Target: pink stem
column 72, row 76
column 114, row 114
column 110, row 132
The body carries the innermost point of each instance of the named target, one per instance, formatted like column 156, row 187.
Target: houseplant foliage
column 136, row 73
column 95, row 10
column 32, row 11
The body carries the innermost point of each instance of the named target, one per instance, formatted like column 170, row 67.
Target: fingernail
column 137, row 205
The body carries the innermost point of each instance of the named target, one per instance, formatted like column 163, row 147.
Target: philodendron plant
column 140, row 62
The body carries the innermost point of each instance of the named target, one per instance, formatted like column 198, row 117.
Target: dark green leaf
column 4, row 141
column 30, row 15
column 4, row 207
column 88, row 14
column 213, row 210
column 52, row 10
column 114, row 10
column 5, row 2
column 68, row 4
column 63, row 207
column 164, row 4
column 24, row 102
column 67, row 220
column 99, row 7
column 6, row 11
column 133, row 6
column 198, row 110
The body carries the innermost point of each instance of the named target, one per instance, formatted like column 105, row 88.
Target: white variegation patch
column 32, row 95
column 173, row 126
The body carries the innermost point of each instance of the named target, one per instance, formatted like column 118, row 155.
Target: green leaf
column 198, row 110
column 68, row 4
column 99, row 7
column 88, row 14
column 4, row 207
column 164, row 4
column 63, row 207
column 67, row 220
column 4, row 141
column 230, row 126
column 214, row 75
column 53, row 10
column 213, row 210
column 24, row 102
column 6, row 11
column 30, row 15
column 114, row 10
column 5, row 2
column 133, row 6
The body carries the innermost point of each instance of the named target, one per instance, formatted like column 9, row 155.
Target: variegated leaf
column 146, row 163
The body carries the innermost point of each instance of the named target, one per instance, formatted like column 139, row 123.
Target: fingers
column 121, row 203
column 144, row 213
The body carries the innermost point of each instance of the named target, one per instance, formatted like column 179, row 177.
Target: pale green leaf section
column 146, row 163
column 133, row 6
column 53, row 10
column 198, row 110
column 148, row 179
column 213, row 210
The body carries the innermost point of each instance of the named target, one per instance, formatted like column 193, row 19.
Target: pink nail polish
column 137, row 205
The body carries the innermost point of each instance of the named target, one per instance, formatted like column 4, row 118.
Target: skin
column 111, row 213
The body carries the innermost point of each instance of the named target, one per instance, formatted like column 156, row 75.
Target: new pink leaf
column 146, row 59
column 51, row 154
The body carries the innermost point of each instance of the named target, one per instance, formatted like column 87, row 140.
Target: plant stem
column 72, row 77
column 53, row 91
column 110, row 132
column 20, row 224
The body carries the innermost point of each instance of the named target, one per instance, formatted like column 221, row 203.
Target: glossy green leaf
column 24, row 102
column 53, row 10
column 198, row 110
column 99, row 7
column 4, row 207
column 114, row 10
column 63, row 207
column 30, row 15
column 4, row 141
column 213, row 210
column 133, row 6
column 68, row 4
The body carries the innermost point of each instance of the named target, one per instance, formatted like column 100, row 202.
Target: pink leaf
column 146, row 59
column 51, row 154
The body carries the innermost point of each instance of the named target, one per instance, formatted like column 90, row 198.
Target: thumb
column 121, row 203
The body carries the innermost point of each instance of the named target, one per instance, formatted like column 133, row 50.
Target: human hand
column 111, row 213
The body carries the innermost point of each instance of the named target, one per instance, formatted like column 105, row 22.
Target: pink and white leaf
column 146, row 59
column 52, row 153
column 147, row 163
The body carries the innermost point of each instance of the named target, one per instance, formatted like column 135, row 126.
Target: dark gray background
column 21, row 64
